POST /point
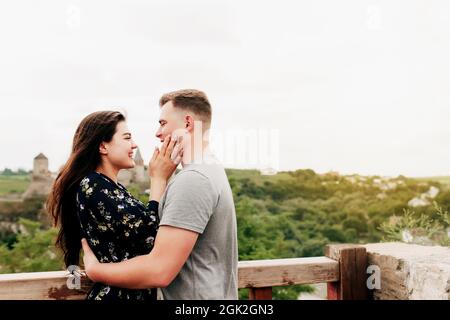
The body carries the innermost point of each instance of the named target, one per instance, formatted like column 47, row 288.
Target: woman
column 87, row 201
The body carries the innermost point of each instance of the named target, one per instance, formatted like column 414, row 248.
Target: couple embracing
column 183, row 240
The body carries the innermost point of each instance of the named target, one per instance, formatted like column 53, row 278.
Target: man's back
column 199, row 199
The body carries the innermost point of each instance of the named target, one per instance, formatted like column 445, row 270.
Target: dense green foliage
column 290, row 214
column 33, row 250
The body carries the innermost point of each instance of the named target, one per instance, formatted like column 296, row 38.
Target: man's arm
column 154, row 270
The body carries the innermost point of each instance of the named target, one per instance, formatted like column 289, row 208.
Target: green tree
column 7, row 172
column 34, row 251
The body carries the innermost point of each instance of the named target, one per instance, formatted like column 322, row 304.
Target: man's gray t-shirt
column 199, row 199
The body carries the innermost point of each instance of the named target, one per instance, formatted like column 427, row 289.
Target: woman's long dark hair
column 94, row 129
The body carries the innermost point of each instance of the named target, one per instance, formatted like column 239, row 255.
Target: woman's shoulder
column 96, row 177
column 89, row 178
column 93, row 181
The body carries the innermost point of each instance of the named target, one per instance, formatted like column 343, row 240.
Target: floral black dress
column 117, row 227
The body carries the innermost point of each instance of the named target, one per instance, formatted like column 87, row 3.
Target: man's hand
column 89, row 259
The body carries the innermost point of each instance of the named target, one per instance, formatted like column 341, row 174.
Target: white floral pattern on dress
column 118, row 227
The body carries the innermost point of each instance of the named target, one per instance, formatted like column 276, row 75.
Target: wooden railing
column 343, row 268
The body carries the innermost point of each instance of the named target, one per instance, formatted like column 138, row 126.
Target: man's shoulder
column 197, row 179
column 193, row 173
column 208, row 171
column 192, row 178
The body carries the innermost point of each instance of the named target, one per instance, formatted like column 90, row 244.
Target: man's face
column 171, row 120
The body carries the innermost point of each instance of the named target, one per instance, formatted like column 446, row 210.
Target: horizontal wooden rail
column 259, row 276
column 343, row 268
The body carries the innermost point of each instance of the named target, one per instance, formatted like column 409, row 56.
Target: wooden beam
column 286, row 272
column 251, row 274
column 352, row 261
column 41, row 286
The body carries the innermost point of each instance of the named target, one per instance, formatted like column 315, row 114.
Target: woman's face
column 119, row 151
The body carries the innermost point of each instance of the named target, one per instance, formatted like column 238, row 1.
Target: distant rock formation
column 424, row 199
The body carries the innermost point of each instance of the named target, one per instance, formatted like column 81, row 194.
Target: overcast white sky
column 352, row 86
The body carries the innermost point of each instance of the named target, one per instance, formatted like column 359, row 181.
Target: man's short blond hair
column 191, row 100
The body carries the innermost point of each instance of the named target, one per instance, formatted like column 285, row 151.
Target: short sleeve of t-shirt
column 190, row 202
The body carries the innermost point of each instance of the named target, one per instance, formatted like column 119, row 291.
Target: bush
column 34, row 251
column 412, row 227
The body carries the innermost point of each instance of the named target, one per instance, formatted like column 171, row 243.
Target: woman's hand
column 163, row 164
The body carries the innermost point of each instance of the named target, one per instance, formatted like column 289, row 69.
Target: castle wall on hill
column 42, row 179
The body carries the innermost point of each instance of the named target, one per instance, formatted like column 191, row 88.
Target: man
column 195, row 252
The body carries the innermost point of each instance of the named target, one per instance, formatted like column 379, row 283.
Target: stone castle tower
column 40, row 165
column 140, row 176
column 41, row 179
column 136, row 174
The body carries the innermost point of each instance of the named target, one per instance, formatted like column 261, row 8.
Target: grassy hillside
column 13, row 184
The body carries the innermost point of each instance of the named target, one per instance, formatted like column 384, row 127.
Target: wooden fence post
column 260, row 293
column 352, row 272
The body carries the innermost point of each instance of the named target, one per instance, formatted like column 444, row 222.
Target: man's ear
column 102, row 149
column 188, row 123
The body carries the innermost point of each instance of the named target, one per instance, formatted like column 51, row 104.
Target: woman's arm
column 157, row 188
